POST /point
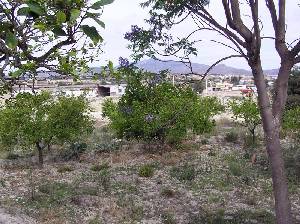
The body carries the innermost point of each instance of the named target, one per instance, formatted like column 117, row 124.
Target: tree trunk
column 253, row 136
column 271, row 125
column 40, row 154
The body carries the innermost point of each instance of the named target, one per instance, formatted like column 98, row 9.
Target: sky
column 120, row 15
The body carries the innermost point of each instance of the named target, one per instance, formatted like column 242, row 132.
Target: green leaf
column 60, row 17
column 75, row 13
column 92, row 33
column 111, row 67
column 97, row 5
column 93, row 15
column 11, row 40
column 16, row 73
column 102, row 24
column 36, row 8
column 58, row 31
column 23, row 11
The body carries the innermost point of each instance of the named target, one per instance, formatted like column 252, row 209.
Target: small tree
column 40, row 120
column 247, row 113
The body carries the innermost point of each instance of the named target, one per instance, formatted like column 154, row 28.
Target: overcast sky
column 120, row 15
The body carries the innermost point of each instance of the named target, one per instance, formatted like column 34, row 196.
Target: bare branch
column 296, row 49
column 218, row 62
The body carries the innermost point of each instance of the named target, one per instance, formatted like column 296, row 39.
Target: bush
column 232, row 136
column 153, row 109
column 146, row 171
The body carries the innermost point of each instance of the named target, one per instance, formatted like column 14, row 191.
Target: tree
column 40, row 120
column 248, row 111
column 235, row 80
column 152, row 109
column 243, row 35
column 48, row 36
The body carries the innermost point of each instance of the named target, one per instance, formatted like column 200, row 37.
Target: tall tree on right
column 243, row 35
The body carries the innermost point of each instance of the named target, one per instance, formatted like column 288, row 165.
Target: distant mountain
column 179, row 68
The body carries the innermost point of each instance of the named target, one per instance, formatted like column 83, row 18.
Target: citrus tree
column 40, row 120
column 48, row 36
column 247, row 113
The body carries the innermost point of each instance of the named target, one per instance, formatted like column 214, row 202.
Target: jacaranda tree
column 242, row 34
column 153, row 109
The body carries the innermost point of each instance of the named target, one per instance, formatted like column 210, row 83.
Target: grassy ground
column 205, row 180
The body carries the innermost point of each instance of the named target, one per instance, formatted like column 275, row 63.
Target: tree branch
column 218, row 62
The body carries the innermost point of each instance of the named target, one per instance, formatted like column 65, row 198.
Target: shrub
column 232, row 136
column 153, row 109
column 146, row 170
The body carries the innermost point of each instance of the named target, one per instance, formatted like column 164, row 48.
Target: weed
column 124, row 187
column 235, row 168
column 2, row 183
column 74, row 151
column 167, row 192
column 12, row 156
column 232, row 136
column 292, row 163
column 249, row 143
column 64, row 169
column 103, row 178
column 184, row 173
column 100, row 167
column 204, row 141
column 239, row 217
column 95, row 220
column 146, row 170
column 168, row 218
